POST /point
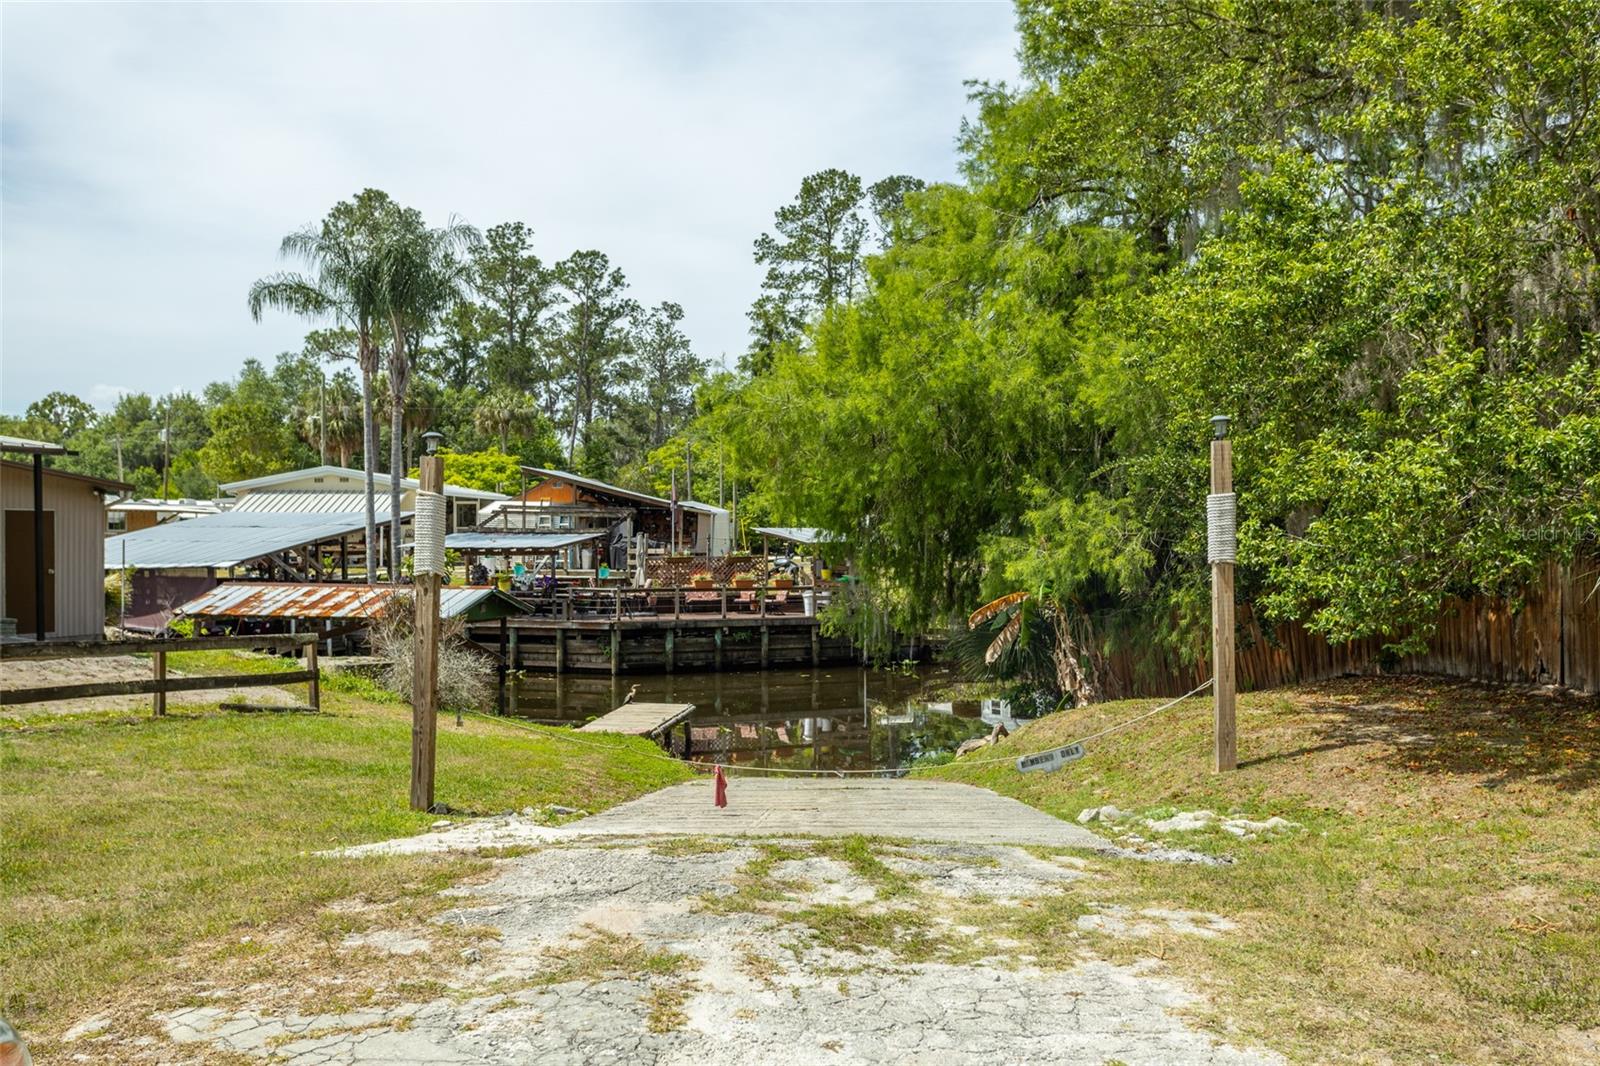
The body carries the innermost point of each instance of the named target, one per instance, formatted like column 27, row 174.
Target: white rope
column 428, row 535
column 1222, row 532
column 884, row 771
column 1093, row 736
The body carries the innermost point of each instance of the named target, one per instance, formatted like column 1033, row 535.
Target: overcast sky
column 151, row 157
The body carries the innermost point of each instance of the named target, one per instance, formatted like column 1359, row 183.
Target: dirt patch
column 49, row 672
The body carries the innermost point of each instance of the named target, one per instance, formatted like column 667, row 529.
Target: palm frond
column 1006, row 637
column 294, row 293
column 995, row 607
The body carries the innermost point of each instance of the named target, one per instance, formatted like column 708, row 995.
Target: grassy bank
column 129, row 839
column 1441, row 900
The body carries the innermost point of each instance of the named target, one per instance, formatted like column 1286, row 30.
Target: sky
column 153, row 156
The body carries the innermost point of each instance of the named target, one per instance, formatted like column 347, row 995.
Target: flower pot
column 744, row 583
column 783, row 582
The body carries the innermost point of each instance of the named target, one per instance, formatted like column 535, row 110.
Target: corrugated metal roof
column 223, row 540
column 31, row 447
column 260, row 599
column 514, row 541
column 596, row 486
column 312, row 501
column 159, row 506
column 380, row 481
column 799, row 534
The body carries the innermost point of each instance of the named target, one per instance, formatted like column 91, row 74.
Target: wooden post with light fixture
column 1221, row 542
column 425, row 652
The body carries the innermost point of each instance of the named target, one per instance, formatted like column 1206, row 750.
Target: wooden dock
column 640, row 719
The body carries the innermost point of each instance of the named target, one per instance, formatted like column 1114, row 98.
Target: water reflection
column 825, row 718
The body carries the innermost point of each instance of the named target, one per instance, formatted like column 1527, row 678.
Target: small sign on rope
column 1050, row 760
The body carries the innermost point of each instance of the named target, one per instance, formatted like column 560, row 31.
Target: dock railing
column 579, row 603
column 159, row 684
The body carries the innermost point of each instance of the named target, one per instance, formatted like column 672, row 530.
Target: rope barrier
column 1094, row 736
column 883, row 772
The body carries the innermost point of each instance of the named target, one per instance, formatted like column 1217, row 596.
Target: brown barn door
column 20, row 599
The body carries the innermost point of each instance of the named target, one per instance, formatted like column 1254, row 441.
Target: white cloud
column 154, row 155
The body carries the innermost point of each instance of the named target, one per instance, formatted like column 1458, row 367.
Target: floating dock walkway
column 640, row 719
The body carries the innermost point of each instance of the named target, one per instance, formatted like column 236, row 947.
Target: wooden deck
column 640, row 719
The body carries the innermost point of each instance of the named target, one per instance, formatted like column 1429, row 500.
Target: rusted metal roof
column 270, row 599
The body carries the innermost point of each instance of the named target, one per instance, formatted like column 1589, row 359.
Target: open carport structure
column 174, row 563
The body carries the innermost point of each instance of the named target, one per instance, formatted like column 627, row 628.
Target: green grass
column 129, row 840
column 1442, row 901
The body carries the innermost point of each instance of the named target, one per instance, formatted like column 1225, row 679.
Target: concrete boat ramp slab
column 915, row 810
column 936, row 811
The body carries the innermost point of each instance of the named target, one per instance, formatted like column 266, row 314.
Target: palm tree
column 505, row 410
column 422, row 278
column 344, row 281
column 1039, row 640
column 342, row 416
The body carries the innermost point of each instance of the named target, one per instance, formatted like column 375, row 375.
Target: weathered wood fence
column 159, row 684
column 1550, row 637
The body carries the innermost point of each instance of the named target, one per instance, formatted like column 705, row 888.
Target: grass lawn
column 128, row 840
column 1440, row 903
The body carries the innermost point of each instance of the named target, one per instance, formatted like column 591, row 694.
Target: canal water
column 824, row 718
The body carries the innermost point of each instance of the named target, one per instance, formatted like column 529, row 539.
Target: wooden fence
column 159, row 684
column 1550, row 637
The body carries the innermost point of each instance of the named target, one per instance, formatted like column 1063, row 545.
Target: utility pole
column 322, row 414
column 688, row 471
column 119, row 458
column 1222, row 544
column 427, row 565
column 166, row 452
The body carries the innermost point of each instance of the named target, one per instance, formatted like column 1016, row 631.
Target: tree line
column 1370, row 233
column 416, row 327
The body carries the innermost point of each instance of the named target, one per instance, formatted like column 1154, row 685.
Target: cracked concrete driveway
column 745, row 970
column 595, row 943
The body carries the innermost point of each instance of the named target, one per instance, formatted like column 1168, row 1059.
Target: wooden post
column 671, row 651
column 816, row 645
column 158, row 702
column 425, row 663
column 616, row 650
column 1222, row 659
column 716, row 637
column 39, row 598
column 500, row 688
column 561, row 651
column 766, row 631
column 314, row 685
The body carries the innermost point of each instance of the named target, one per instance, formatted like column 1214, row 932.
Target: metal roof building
column 514, row 541
column 317, row 501
column 219, row 541
column 258, row 599
column 798, row 534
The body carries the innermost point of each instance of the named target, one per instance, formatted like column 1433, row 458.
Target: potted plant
column 702, row 579
column 782, row 581
column 745, row 580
